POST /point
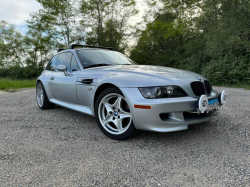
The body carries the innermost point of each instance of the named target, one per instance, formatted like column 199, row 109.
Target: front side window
column 52, row 64
column 74, row 66
column 93, row 57
column 64, row 59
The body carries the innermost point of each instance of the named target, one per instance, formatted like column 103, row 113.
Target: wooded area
column 210, row 37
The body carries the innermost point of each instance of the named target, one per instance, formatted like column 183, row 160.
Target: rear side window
column 64, row 59
column 52, row 64
column 74, row 65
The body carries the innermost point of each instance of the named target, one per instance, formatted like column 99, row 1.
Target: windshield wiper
column 96, row 65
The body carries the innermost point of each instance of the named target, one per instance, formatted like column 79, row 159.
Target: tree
column 213, row 41
column 226, row 30
column 38, row 48
column 11, row 45
column 107, row 21
column 57, row 19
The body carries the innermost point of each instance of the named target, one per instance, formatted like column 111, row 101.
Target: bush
column 28, row 72
column 228, row 70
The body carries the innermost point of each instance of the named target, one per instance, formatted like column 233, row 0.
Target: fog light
column 203, row 103
column 222, row 97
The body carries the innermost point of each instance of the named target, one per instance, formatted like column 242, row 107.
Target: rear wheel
column 113, row 115
column 42, row 98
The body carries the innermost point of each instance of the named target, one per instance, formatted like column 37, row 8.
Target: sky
column 17, row 11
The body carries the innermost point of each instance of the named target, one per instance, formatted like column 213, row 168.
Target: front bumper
column 166, row 114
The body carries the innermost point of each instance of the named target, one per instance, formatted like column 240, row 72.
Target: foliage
column 56, row 20
column 108, row 21
column 6, row 84
column 16, row 49
column 210, row 37
column 214, row 39
column 247, row 87
column 11, row 45
column 16, row 72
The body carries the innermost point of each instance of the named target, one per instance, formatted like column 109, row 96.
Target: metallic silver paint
column 64, row 87
column 68, row 91
column 76, row 107
column 150, row 120
column 63, row 69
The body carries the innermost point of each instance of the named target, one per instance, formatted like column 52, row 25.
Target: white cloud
column 17, row 11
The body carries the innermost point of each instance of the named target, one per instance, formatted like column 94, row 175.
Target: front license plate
column 212, row 105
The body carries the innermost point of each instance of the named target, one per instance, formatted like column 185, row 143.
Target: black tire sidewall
column 46, row 103
column 128, row 133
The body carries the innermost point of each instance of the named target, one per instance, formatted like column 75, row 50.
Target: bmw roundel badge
column 198, row 78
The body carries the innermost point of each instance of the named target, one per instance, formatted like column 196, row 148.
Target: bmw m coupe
column 123, row 96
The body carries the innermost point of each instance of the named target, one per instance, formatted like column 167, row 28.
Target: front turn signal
column 142, row 106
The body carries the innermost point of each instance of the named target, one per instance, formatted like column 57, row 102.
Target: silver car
column 125, row 97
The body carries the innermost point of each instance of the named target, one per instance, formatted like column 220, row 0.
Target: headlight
column 162, row 92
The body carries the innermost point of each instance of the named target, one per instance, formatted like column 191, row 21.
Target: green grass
column 6, row 84
column 246, row 86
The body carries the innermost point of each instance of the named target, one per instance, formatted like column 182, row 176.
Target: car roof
column 78, row 49
column 75, row 47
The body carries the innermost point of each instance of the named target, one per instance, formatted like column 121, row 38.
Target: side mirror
column 62, row 68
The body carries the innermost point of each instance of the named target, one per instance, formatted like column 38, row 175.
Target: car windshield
column 94, row 58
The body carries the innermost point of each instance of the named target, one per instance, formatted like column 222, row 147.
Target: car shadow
column 77, row 124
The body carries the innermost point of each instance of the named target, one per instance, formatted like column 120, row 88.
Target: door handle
column 84, row 81
column 87, row 81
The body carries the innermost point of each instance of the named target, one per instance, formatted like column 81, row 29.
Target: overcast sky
column 17, row 11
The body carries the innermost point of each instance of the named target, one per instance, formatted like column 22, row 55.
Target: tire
column 113, row 115
column 42, row 98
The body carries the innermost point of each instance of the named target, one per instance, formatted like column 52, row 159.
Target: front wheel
column 42, row 98
column 113, row 115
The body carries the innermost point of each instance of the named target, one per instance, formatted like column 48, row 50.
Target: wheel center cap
column 115, row 113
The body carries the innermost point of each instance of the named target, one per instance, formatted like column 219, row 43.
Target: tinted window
column 74, row 65
column 91, row 57
column 64, row 59
column 52, row 64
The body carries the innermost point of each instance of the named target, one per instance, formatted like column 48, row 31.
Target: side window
column 52, row 64
column 74, row 66
column 64, row 59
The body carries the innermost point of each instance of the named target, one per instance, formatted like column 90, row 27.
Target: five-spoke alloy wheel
column 113, row 114
column 42, row 98
column 39, row 95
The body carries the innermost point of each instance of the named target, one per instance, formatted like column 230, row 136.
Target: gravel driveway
column 60, row 147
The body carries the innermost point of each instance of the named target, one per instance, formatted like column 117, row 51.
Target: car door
column 63, row 86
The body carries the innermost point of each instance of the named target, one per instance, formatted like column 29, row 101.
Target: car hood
column 143, row 75
column 158, row 71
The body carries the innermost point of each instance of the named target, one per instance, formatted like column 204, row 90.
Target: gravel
column 60, row 147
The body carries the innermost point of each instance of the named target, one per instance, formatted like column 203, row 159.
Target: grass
column 6, row 84
column 246, row 86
